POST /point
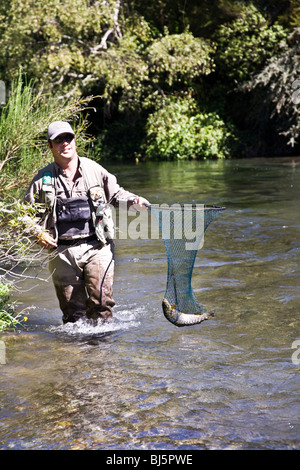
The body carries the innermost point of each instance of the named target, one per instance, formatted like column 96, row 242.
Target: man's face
column 63, row 147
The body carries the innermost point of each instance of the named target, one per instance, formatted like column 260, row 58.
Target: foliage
column 68, row 46
column 202, row 17
column 286, row 12
column 275, row 93
column 122, row 137
column 6, row 309
column 23, row 124
column 54, row 40
column 244, row 45
column 8, row 317
column 134, row 55
column 180, row 58
column 179, row 130
column 18, row 251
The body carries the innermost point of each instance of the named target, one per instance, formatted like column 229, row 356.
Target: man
column 76, row 225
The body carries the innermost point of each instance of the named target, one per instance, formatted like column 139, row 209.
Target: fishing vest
column 82, row 211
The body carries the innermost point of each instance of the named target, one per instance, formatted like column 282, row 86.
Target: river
column 139, row 382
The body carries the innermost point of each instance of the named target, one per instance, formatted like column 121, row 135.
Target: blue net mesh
column 182, row 228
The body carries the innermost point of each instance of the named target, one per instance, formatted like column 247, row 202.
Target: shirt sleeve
column 32, row 193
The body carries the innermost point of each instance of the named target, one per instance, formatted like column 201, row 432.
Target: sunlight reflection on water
column 138, row 382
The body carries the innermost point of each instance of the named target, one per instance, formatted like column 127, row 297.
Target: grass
column 8, row 317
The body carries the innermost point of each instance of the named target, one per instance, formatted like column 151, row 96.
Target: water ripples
column 138, row 382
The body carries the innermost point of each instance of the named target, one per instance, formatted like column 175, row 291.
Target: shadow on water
column 138, row 382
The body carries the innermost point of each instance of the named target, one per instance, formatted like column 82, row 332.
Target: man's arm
column 32, row 196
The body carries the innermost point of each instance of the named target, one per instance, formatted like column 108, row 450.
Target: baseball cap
column 59, row 127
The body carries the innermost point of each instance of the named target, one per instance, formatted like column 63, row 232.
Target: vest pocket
column 73, row 209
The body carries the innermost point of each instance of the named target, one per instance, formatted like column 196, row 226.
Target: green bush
column 179, row 130
column 245, row 44
column 179, row 58
column 8, row 317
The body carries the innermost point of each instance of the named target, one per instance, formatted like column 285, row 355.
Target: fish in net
column 182, row 227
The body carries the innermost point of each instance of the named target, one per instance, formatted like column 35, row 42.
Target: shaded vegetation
column 137, row 57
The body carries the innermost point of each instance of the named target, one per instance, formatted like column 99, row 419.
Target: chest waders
column 71, row 210
column 86, row 288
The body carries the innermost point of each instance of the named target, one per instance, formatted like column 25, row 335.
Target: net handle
column 182, row 208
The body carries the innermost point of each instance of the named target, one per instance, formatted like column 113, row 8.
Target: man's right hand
column 46, row 241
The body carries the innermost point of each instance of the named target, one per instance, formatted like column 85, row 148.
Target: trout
column 183, row 319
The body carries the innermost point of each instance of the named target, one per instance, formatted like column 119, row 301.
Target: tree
column 179, row 59
column 246, row 43
column 180, row 131
column 73, row 48
column 134, row 55
column 23, row 125
column 58, row 43
column 275, row 93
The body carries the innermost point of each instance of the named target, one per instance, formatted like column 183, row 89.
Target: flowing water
column 139, row 382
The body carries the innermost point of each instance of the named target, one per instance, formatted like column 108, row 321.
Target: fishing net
column 182, row 227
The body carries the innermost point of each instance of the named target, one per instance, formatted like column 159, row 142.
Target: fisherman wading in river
column 76, row 225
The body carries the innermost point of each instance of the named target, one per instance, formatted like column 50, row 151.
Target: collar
column 60, row 171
